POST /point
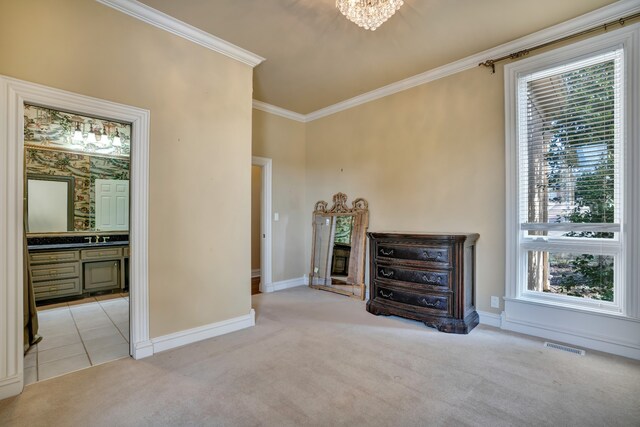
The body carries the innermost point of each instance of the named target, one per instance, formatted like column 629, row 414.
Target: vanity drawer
column 441, row 256
column 49, row 257
column 104, row 253
column 55, row 271
column 438, row 304
column 438, row 279
column 57, row 288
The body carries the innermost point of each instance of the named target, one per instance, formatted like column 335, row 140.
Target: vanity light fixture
column 98, row 139
column 368, row 14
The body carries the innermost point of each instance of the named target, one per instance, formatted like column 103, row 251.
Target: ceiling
column 315, row 57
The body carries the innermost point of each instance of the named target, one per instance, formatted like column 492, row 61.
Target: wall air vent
column 565, row 348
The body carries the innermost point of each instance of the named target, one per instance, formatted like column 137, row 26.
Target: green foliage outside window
column 585, row 125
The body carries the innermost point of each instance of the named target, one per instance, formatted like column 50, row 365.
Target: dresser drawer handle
column 385, row 274
column 382, row 294
column 53, row 288
column 432, row 278
column 430, row 255
column 53, row 271
column 430, row 304
column 386, row 253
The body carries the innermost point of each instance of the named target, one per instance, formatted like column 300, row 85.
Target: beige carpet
column 320, row 359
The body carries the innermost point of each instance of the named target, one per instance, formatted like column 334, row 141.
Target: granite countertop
column 77, row 245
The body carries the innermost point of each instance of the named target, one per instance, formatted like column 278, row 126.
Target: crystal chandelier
column 368, row 14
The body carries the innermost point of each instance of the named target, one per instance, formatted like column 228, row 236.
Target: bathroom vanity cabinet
column 57, row 273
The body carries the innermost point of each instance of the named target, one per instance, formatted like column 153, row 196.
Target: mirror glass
column 91, row 155
column 50, row 203
column 337, row 262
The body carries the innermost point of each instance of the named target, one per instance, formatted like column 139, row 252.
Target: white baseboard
column 598, row 331
column 490, row 319
column 142, row 350
column 11, row 386
column 189, row 336
column 576, row 340
column 291, row 283
column 255, row 273
column 283, row 284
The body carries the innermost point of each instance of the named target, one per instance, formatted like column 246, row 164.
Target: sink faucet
column 89, row 239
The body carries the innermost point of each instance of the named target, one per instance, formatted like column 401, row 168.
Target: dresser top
column 423, row 235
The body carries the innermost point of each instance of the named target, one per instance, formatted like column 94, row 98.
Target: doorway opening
column 14, row 95
column 264, row 166
column 256, row 232
column 76, row 220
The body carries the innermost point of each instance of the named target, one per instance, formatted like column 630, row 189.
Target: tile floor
column 79, row 334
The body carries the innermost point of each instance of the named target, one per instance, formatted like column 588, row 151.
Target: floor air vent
column 564, row 348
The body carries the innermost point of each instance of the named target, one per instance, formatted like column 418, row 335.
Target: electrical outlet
column 495, row 302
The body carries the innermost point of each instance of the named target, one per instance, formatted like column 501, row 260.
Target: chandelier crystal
column 368, row 14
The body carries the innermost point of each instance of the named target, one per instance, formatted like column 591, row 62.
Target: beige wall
column 256, row 191
column 427, row 159
column 283, row 141
column 200, row 103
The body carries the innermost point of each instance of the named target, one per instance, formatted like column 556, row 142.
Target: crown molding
column 600, row 16
column 268, row 108
column 181, row 29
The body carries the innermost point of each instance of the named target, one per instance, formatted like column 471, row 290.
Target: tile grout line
column 80, row 335
column 68, row 307
column 112, row 322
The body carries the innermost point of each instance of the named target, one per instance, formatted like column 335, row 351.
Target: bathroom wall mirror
column 338, row 246
column 49, row 203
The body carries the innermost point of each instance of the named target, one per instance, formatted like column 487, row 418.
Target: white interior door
column 112, row 205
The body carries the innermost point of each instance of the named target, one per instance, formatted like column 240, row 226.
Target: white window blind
column 570, row 142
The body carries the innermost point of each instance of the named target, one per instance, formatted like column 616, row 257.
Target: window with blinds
column 570, row 149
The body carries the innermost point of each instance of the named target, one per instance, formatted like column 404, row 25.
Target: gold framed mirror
column 338, row 246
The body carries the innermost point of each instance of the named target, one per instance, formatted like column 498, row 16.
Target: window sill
column 573, row 307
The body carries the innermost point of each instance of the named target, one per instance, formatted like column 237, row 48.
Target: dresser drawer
column 55, row 271
column 438, row 279
column 439, row 304
column 56, row 288
column 439, row 255
column 53, row 257
column 125, row 251
column 104, row 253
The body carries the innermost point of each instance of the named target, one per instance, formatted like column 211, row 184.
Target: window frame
column 626, row 294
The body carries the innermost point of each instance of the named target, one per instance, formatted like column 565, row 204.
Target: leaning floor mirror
column 338, row 246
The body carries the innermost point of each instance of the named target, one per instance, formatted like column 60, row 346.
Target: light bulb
column 116, row 139
column 104, row 139
column 91, row 137
column 77, row 135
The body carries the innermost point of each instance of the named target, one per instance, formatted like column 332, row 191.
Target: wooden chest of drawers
column 425, row 277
